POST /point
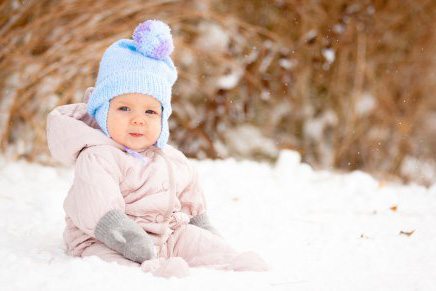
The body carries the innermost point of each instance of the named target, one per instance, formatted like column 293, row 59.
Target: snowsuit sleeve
column 192, row 197
column 95, row 190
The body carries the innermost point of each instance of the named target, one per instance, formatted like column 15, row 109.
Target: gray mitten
column 202, row 220
column 124, row 236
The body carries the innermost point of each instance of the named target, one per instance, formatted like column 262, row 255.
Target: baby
column 135, row 199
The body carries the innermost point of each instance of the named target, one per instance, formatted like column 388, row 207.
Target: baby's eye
column 149, row 111
column 123, row 108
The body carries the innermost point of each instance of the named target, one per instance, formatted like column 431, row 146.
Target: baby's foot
column 166, row 268
column 249, row 261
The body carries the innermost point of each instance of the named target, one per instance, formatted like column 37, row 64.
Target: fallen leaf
column 235, row 199
column 408, row 233
column 394, row 208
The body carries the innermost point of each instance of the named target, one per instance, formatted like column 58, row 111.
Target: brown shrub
column 348, row 84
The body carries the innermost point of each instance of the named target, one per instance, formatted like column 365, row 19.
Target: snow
column 230, row 81
column 338, row 28
column 247, row 139
column 365, row 105
column 329, row 55
column 311, row 34
column 288, row 64
column 318, row 230
column 212, row 38
column 422, row 169
column 314, row 128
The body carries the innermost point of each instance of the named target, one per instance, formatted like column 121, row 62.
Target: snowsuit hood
column 70, row 129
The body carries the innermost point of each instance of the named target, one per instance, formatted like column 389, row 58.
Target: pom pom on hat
column 153, row 39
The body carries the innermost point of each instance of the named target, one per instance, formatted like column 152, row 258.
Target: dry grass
column 279, row 52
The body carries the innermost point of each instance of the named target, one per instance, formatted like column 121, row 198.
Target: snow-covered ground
column 317, row 230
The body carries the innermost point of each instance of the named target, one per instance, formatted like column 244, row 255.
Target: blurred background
column 348, row 84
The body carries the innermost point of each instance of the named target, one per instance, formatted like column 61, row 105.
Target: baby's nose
column 138, row 121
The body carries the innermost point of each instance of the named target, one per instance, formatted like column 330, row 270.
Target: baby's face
column 134, row 120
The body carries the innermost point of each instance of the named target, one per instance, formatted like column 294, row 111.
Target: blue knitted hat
column 141, row 65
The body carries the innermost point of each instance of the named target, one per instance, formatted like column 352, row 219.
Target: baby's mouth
column 136, row 134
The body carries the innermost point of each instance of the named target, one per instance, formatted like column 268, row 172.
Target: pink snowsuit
column 161, row 194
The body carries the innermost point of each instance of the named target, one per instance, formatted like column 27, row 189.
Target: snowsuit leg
column 188, row 245
column 199, row 247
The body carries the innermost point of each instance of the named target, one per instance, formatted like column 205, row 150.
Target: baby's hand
column 203, row 222
column 123, row 235
column 136, row 246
